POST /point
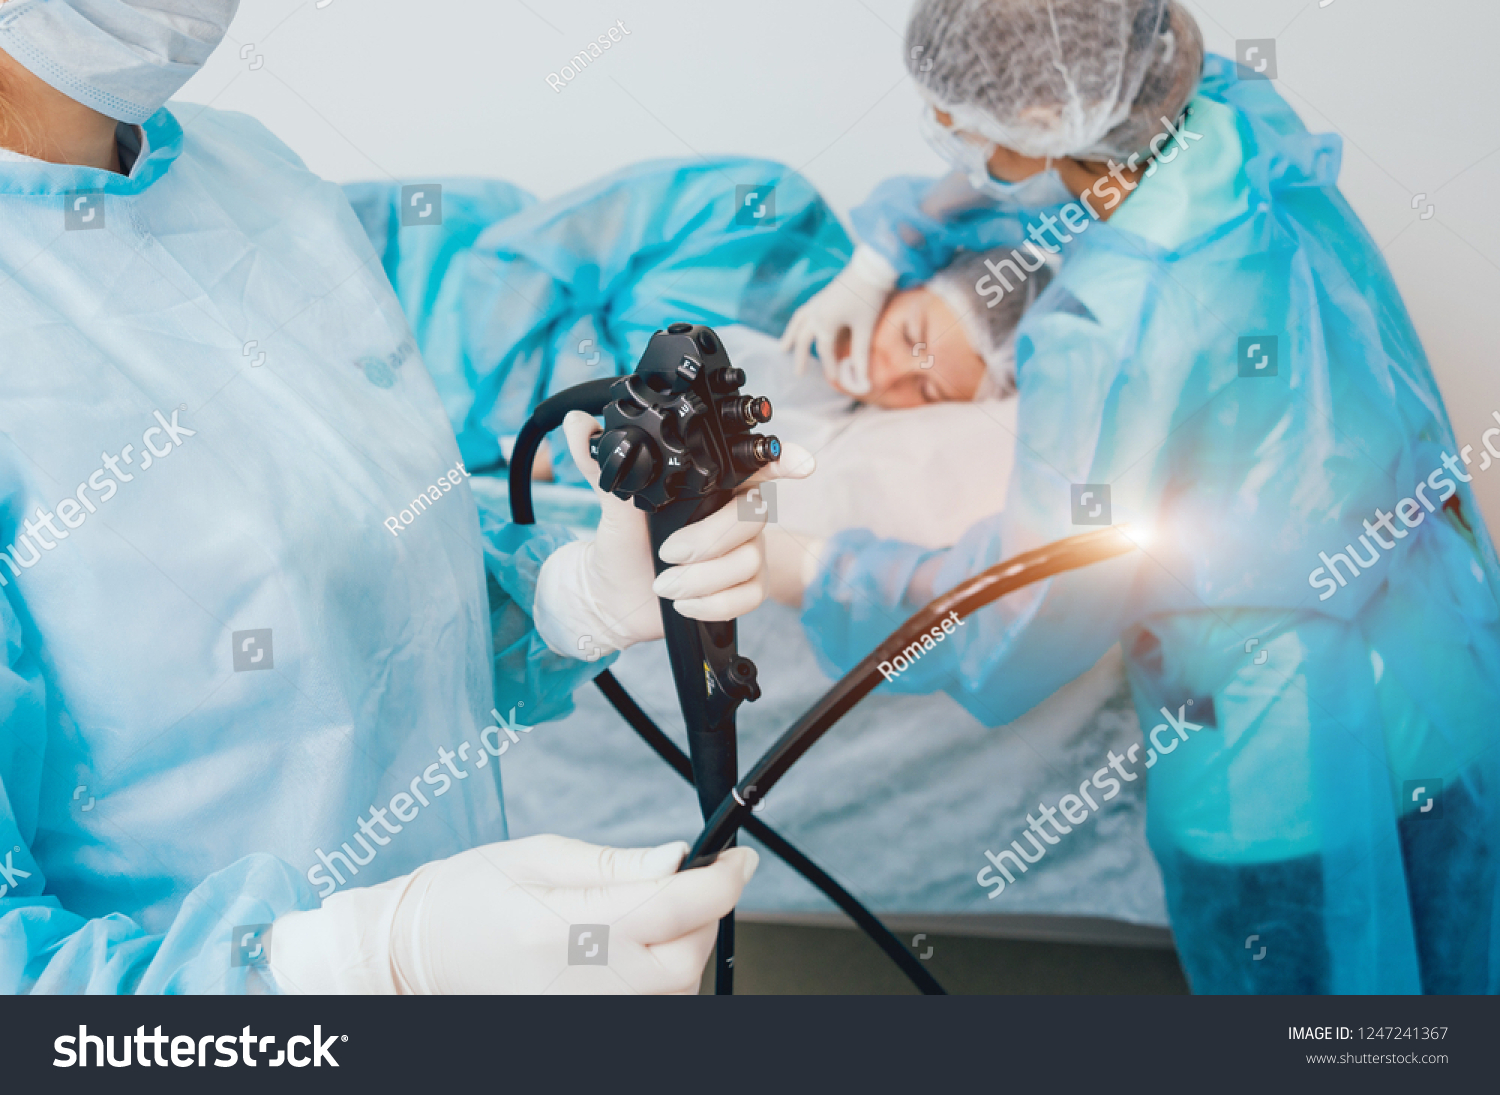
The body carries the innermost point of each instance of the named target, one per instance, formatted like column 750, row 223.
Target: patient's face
column 920, row 354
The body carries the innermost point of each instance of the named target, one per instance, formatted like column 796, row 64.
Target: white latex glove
column 851, row 302
column 507, row 918
column 792, row 562
column 600, row 595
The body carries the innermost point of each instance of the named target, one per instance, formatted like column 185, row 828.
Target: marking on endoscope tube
column 757, row 808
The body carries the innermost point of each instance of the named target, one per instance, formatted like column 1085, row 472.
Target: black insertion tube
column 711, row 744
column 964, row 598
column 589, row 397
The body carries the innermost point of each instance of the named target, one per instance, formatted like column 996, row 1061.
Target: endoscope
column 679, row 442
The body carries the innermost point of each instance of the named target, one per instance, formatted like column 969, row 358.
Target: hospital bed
column 901, row 800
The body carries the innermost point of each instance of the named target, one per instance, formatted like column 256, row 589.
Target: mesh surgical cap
column 1086, row 79
column 989, row 323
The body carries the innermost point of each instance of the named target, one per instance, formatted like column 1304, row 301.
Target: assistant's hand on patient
column 600, row 595
column 920, row 353
column 497, row 919
column 843, row 314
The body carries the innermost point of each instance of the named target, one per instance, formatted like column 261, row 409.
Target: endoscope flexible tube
column 676, row 759
column 588, row 397
column 734, row 811
column 989, row 585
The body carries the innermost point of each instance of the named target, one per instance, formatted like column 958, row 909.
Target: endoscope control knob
column 727, row 379
column 741, row 683
column 627, row 460
column 746, row 410
column 753, row 453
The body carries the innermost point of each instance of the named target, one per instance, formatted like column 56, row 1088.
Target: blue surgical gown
column 513, row 300
column 1228, row 356
column 919, row 224
column 247, row 598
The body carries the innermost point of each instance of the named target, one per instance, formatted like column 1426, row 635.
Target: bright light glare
column 1141, row 534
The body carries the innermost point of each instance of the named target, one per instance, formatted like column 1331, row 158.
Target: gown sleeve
column 513, row 300
column 1010, row 655
column 46, row 947
column 919, row 224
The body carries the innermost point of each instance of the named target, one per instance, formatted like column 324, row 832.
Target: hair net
column 1090, row 79
column 990, row 322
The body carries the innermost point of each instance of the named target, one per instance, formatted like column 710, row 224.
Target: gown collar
column 163, row 144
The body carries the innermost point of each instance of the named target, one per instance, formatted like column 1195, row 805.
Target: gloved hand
column 509, row 918
column 851, row 302
column 600, row 595
column 792, row 562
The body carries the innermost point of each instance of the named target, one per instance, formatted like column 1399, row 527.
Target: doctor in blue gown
column 1311, row 633
column 262, row 652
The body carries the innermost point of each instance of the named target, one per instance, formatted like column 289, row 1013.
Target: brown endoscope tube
column 964, row 598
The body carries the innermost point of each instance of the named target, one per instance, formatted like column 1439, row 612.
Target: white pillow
column 922, row 475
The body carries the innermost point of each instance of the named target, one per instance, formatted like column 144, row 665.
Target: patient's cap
column 989, row 311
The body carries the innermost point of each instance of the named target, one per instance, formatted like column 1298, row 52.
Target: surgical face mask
column 123, row 58
column 968, row 153
column 1038, row 191
column 971, row 155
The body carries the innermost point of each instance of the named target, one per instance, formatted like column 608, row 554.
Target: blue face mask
column 123, row 58
column 971, row 155
column 1038, row 191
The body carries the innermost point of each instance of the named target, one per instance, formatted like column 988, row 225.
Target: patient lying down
column 943, row 342
column 937, row 343
column 890, row 459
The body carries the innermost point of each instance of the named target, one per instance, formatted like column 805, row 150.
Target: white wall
column 381, row 88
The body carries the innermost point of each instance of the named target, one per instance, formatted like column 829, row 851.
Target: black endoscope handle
column 711, row 745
